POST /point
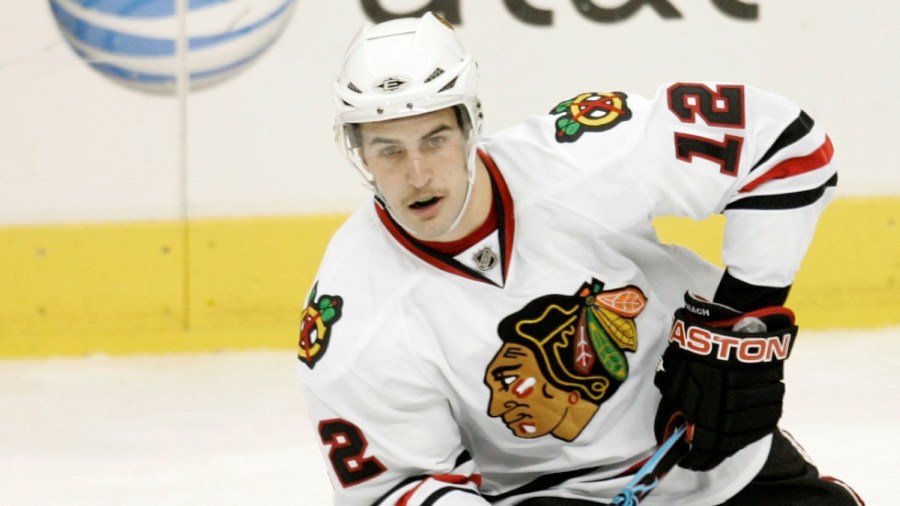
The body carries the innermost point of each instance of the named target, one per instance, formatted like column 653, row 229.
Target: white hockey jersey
column 524, row 366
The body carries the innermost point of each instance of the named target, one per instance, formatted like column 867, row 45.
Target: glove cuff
column 721, row 345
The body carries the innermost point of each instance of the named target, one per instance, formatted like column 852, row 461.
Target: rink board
column 240, row 283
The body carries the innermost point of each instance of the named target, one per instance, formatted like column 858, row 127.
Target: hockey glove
column 722, row 371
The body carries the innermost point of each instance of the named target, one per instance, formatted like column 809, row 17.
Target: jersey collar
column 505, row 225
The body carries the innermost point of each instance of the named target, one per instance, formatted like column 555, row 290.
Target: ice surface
column 230, row 428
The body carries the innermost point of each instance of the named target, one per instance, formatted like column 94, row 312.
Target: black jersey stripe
column 437, row 494
column 783, row 201
column 542, row 483
column 432, row 498
column 793, row 133
column 403, row 483
column 463, row 458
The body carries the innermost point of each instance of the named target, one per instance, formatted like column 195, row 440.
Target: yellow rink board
column 241, row 283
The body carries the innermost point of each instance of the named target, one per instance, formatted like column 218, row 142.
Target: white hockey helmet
column 404, row 67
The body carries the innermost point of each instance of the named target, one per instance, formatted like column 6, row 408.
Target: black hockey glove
column 722, row 371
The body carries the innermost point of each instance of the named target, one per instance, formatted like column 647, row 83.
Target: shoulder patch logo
column 562, row 356
column 590, row 112
column 319, row 316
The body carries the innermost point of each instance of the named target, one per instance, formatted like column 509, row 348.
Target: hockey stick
column 659, row 464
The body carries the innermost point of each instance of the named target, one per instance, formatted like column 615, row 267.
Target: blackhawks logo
column 590, row 112
column 315, row 326
column 562, row 357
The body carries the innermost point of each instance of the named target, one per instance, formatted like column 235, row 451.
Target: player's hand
column 723, row 371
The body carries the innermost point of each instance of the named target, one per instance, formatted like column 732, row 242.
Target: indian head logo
column 315, row 326
column 590, row 112
column 562, row 356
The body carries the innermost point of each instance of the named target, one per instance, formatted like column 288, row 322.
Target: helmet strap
column 470, row 184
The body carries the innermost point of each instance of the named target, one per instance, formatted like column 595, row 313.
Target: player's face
column 419, row 166
column 529, row 405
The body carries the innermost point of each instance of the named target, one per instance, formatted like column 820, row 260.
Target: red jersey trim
column 794, row 166
column 503, row 203
column 456, row 247
column 452, row 479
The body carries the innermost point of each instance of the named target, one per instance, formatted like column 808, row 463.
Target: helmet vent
column 438, row 71
column 352, row 87
column 448, row 86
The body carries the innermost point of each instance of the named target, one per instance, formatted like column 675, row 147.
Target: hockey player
column 497, row 326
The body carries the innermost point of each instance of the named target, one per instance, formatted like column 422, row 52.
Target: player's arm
column 377, row 455
column 382, row 421
column 776, row 162
column 771, row 177
column 772, row 215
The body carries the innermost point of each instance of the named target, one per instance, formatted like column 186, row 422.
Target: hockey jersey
column 524, row 365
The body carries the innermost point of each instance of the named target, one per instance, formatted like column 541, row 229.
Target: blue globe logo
column 136, row 42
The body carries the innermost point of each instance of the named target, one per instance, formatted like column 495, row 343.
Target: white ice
column 230, row 428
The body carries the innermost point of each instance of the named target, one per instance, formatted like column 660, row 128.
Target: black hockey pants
column 786, row 479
